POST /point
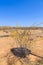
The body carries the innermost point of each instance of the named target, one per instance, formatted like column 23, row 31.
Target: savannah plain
column 33, row 38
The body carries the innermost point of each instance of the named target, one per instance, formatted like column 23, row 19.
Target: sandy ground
column 6, row 43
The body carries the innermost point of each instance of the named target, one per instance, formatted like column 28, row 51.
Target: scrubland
column 33, row 38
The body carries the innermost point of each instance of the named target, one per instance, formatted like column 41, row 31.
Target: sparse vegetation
column 24, row 37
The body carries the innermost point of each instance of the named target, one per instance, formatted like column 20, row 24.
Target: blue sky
column 21, row 12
